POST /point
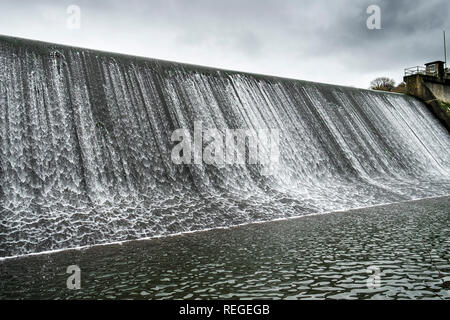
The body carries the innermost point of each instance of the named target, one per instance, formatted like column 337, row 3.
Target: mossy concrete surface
column 434, row 94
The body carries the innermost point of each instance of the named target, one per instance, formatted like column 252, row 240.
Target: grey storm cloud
column 318, row 40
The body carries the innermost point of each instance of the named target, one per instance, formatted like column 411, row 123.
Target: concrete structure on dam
column 432, row 85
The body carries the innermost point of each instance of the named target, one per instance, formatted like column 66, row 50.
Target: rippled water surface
column 322, row 256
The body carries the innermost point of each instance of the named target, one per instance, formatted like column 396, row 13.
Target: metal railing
column 415, row 70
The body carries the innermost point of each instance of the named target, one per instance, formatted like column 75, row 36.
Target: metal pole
column 445, row 50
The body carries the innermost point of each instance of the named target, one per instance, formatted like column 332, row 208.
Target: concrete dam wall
column 434, row 92
column 85, row 148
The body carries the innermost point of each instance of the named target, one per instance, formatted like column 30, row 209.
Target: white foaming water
column 85, row 148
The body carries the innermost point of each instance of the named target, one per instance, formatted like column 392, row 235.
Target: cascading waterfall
column 85, row 148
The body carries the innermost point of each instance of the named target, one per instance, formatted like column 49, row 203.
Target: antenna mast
column 445, row 49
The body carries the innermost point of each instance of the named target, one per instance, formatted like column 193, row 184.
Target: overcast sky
column 326, row 41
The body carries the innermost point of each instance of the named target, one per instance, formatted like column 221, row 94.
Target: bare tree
column 401, row 88
column 382, row 83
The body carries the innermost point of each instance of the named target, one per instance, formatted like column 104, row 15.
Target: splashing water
column 85, row 149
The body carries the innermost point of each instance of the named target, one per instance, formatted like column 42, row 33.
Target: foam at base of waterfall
column 85, row 148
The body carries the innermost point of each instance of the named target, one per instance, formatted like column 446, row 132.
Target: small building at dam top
column 431, row 84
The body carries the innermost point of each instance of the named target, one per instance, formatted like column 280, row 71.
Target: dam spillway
column 85, row 148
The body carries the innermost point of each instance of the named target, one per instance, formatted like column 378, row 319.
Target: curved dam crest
column 85, row 148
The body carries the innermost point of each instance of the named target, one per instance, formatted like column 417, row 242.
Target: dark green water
column 322, row 256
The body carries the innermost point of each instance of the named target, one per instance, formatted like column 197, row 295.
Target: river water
column 328, row 256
